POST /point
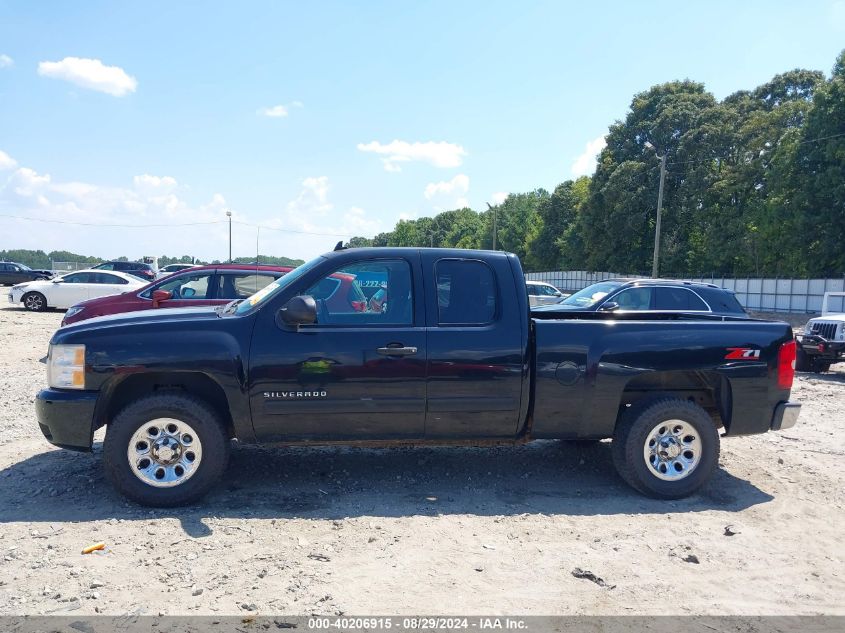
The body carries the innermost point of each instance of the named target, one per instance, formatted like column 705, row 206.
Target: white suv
column 823, row 340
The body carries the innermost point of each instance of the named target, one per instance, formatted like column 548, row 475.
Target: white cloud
column 90, row 73
column 439, row 154
column 274, row 111
column 458, row 185
column 27, row 182
column 154, row 184
column 585, row 164
column 160, row 200
column 6, row 61
column 6, row 161
column 499, row 197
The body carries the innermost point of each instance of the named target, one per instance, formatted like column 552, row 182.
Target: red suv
column 199, row 286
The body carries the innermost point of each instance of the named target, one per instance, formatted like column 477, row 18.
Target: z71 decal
column 742, row 353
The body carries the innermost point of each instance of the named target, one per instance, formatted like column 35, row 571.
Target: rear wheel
column 34, row 302
column 820, row 366
column 665, row 448
column 166, row 450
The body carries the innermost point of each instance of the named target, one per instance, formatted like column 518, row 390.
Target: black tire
column 34, row 302
column 802, row 361
column 632, row 434
column 204, row 421
column 820, row 366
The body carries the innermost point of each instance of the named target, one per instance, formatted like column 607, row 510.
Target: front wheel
column 166, row 450
column 666, row 448
column 34, row 302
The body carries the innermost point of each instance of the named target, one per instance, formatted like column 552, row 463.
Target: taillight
column 786, row 365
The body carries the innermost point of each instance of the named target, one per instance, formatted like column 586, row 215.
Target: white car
column 65, row 291
column 540, row 293
column 173, row 268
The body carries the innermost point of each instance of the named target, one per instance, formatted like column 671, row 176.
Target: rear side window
column 106, row 278
column 678, row 299
column 241, row 285
column 722, row 300
column 466, row 292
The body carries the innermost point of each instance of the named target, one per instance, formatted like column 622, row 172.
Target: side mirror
column 610, row 306
column 161, row 295
column 300, row 310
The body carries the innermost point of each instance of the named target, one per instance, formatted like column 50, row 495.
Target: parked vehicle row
column 453, row 354
column 198, row 286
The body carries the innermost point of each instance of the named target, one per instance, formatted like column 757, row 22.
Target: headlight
column 66, row 367
column 73, row 311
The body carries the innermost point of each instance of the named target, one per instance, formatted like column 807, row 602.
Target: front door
column 358, row 373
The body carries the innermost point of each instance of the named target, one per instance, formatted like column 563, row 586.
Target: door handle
column 396, row 349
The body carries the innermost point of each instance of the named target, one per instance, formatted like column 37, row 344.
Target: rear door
column 475, row 354
column 6, row 276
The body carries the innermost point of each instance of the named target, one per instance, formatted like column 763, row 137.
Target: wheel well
column 708, row 389
column 133, row 387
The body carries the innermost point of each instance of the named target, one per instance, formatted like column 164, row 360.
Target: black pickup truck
column 438, row 346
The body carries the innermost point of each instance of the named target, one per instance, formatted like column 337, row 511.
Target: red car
column 199, row 286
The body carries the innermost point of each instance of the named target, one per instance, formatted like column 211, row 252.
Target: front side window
column 342, row 301
column 78, row 278
column 466, row 292
column 548, row 291
column 634, row 299
column 185, row 287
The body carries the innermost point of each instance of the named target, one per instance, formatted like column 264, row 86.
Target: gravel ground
column 428, row 530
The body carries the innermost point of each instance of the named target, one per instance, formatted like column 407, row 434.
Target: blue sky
column 157, row 112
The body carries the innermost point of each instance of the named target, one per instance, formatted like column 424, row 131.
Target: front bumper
column 813, row 345
column 786, row 415
column 66, row 418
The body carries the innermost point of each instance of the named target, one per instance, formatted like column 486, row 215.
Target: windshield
column 271, row 290
column 24, row 267
column 591, row 295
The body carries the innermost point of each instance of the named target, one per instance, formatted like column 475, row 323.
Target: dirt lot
column 411, row 531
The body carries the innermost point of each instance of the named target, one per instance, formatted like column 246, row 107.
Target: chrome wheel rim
column 33, row 302
column 672, row 450
column 164, row 452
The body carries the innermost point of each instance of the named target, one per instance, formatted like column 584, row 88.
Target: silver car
column 540, row 293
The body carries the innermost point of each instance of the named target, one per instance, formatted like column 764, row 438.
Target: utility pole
column 656, row 259
column 229, row 215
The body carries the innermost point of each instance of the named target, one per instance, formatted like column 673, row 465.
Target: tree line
column 755, row 185
column 39, row 259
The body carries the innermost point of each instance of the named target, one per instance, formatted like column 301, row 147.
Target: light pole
column 656, row 259
column 493, row 209
column 229, row 215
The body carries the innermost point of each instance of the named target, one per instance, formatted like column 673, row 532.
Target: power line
column 146, row 226
column 122, row 226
